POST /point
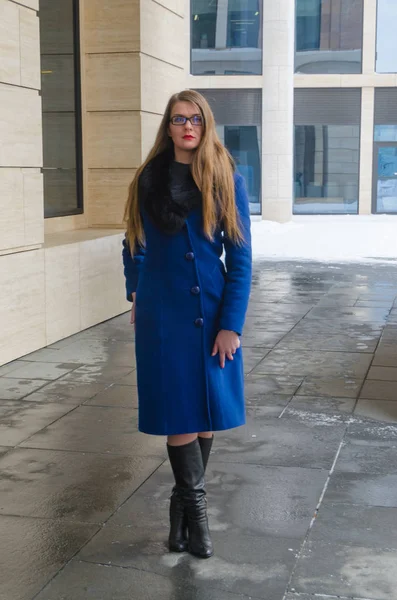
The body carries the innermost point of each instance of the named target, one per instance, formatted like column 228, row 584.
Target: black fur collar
column 168, row 193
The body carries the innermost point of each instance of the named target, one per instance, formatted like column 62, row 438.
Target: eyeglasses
column 195, row 120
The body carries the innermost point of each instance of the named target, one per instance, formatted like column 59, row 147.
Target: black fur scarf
column 168, row 193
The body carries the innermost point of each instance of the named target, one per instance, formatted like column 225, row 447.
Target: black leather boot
column 205, row 447
column 187, row 465
column 177, row 539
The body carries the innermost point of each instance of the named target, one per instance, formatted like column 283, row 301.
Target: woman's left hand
column 226, row 344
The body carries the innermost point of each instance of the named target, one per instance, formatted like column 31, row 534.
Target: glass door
column 385, row 177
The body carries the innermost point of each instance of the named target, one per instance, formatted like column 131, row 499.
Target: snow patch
column 344, row 238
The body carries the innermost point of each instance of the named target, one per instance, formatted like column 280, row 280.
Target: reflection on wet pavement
column 302, row 500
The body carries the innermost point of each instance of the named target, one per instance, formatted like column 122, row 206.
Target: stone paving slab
column 36, row 551
column 20, row 420
column 347, row 571
column 266, row 405
column 16, row 389
column 122, row 396
column 332, row 387
column 87, row 581
column 369, row 489
column 378, row 410
column 370, row 526
column 290, row 443
column 112, row 430
column 315, row 404
column 74, row 486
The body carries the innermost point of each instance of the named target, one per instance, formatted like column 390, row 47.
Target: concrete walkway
column 302, row 501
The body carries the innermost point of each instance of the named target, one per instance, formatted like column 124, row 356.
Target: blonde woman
column 186, row 206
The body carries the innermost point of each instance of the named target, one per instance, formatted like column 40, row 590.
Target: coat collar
column 167, row 204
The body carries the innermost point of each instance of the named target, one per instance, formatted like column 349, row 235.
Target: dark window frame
column 242, row 74
column 78, row 120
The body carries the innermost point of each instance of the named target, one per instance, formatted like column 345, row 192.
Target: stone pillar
column 221, row 24
column 369, row 36
column 277, row 133
column 366, row 150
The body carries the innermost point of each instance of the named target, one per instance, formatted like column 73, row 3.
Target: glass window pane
column 387, row 196
column 385, row 133
column 326, row 169
column 329, row 36
column 58, row 65
column 386, row 39
column 238, row 117
column 226, row 37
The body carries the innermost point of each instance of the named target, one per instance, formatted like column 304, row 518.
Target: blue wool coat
column 184, row 297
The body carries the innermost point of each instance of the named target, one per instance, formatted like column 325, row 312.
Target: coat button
column 189, row 256
column 195, row 290
column 199, row 322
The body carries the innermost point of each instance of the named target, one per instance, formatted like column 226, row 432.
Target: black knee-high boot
column 187, row 465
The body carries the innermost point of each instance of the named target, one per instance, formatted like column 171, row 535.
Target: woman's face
column 186, row 136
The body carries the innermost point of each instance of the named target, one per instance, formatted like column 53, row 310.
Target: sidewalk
column 302, row 501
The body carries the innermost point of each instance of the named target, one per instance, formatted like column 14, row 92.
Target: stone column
column 366, row 150
column 277, row 119
column 369, row 36
column 221, row 24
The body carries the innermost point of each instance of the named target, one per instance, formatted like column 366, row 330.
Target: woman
column 186, row 205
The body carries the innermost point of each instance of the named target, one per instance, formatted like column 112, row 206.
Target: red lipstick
column 188, row 137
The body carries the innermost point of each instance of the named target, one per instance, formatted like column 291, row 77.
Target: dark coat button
column 195, row 290
column 199, row 322
column 189, row 256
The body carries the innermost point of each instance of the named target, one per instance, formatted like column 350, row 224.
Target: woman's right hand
column 132, row 319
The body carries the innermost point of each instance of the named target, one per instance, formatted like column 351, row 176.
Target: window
column 384, row 196
column 226, row 37
column 238, row 123
column 327, row 147
column 386, row 42
column 329, row 36
column 62, row 164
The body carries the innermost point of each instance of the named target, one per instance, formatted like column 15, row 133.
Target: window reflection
column 326, row 169
column 243, row 143
column 226, row 37
column 238, row 116
column 386, row 39
column 60, row 117
column 328, row 36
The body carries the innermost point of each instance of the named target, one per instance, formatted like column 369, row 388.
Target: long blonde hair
column 212, row 170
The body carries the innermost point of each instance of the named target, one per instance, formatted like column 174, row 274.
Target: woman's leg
column 180, row 440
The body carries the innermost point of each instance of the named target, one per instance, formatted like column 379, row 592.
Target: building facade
column 305, row 97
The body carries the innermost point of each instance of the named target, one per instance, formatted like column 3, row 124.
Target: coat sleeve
column 132, row 265
column 238, row 261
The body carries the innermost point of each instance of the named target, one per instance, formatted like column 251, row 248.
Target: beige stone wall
column 21, row 220
column 133, row 62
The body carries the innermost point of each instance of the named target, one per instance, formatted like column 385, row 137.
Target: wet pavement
column 302, row 500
